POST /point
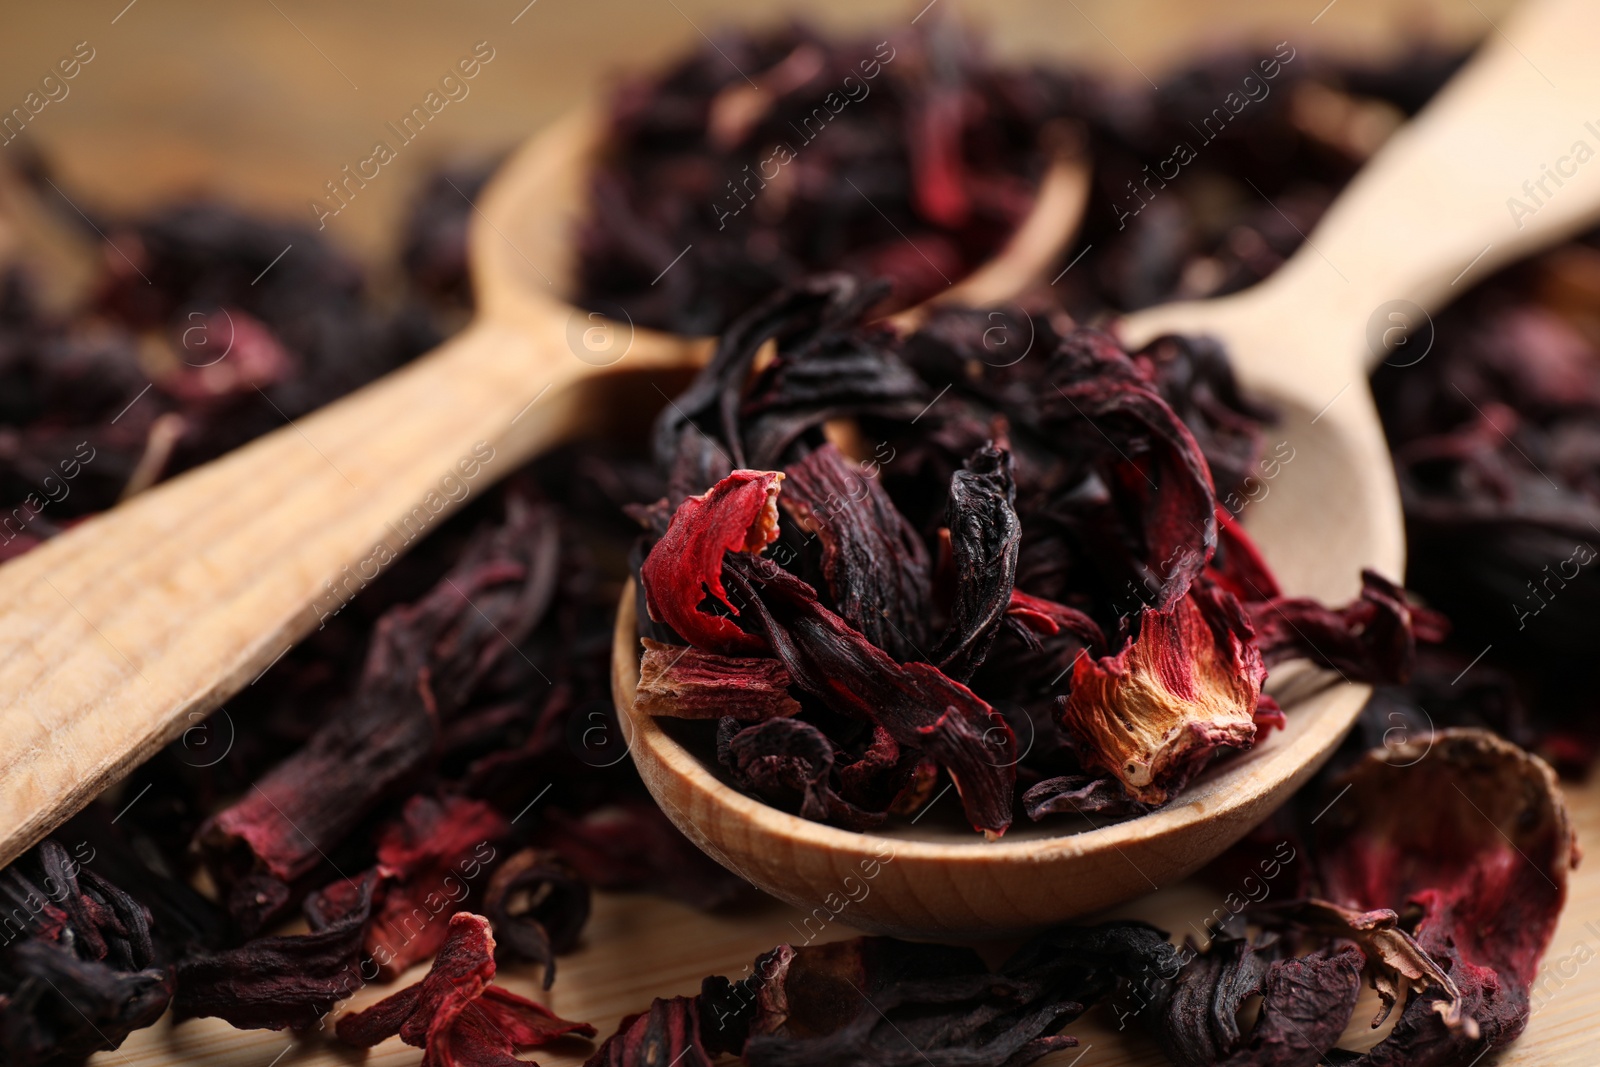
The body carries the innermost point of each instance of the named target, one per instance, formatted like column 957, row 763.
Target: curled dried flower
column 1442, row 868
column 739, row 514
column 1186, row 687
column 538, row 906
column 455, row 1013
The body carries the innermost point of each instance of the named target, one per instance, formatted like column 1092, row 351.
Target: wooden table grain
column 262, row 103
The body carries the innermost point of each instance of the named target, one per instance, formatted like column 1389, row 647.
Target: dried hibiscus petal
column 1443, row 862
column 875, row 564
column 669, row 1033
column 1471, row 832
column 628, row 844
column 1048, row 618
column 917, row 704
column 790, row 764
column 1238, row 566
column 290, row 981
column 1304, row 1004
column 455, row 1013
column 878, row 1000
column 423, row 855
column 683, row 682
column 738, row 514
column 985, row 534
column 538, row 906
column 1147, row 457
column 1080, row 794
column 79, row 968
column 423, row 662
column 56, row 1008
column 1184, row 688
column 1371, row 639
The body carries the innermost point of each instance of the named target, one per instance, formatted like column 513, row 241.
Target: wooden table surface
column 260, row 103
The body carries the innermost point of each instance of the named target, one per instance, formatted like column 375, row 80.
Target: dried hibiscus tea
column 1438, row 872
column 879, row 1000
column 749, row 149
column 1042, row 537
column 455, row 1012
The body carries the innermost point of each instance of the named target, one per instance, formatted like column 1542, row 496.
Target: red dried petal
column 1187, row 686
column 738, row 514
column 667, row 1034
column 425, row 852
column 1048, row 618
column 1472, row 831
column 454, row 1013
column 682, row 682
column 1372, row 639
column 1238, row 565
column 524, row 1022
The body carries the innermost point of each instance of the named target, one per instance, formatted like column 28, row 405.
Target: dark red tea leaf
column 917, row 704
column 740, row 514
column 1161, row 709
column 875, row 563
column 455, row 1013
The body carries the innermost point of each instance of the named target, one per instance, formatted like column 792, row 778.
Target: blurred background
column 260, row 103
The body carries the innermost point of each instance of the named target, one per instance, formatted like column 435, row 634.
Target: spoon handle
column 1504, row 161
column 124, row 632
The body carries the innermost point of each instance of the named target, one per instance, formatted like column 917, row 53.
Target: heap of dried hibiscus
column 438, row 770
column 1026, row 579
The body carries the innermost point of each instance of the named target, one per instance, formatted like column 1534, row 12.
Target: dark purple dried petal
column 1372, row 639
column 875, row 564
column 669, row 1033
column 790, row 764
column 538, row 906
column 914, row 702
column 274, row 983
column 1146, row 456
column 985, row 534
column 1081, row 795
column 423, row 661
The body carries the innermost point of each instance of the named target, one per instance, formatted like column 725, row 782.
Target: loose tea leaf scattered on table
column 879, row 1000
column 1439, row 873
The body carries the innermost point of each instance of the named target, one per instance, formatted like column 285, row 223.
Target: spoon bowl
column 1425, row 213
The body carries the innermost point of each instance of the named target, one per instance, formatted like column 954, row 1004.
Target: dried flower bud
column 1184, row 688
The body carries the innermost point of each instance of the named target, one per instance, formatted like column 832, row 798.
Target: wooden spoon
column 1425, row 220
column 128, row 630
